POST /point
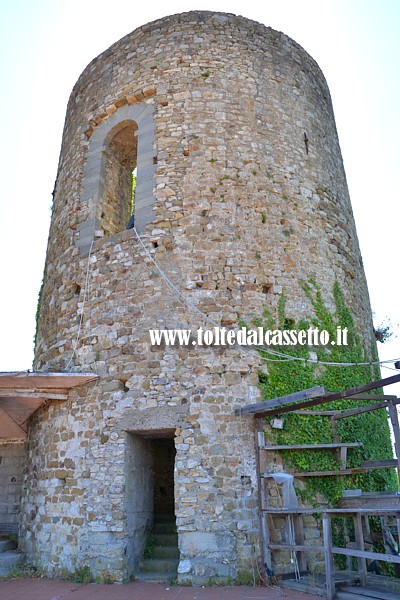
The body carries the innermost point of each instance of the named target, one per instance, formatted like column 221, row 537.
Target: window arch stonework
column 123, row 142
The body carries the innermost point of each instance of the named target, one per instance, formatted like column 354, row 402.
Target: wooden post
column 362, row 564
column 299, row 539
column 262, row 500
column 394, row 418
column 329, row 569
column 349, row 560
column 398, row 542
column 343, row 458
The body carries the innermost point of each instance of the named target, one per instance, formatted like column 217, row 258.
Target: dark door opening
column 152, row 549
column 163, row 454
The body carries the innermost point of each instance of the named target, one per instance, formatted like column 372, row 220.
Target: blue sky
column 45, row 45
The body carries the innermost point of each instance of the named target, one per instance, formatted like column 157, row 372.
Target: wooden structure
column 357, row 512
column 21, row 394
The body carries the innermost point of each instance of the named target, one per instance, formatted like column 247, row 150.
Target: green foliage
column 24, row 571
column 383, row 332
column 104, row 577
column 284, row 377
column 248, row 578
column 82, row 575
column 149, row 547
column 133, row 189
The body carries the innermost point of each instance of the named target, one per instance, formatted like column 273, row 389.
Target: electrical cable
column 83, row 307
column 171, row 285
column 183, row 300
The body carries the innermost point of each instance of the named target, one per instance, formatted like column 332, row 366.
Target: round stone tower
column 240, row 194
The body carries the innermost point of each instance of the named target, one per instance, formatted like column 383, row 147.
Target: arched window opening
column 121, row 144
column 121, row 160
column 131, row 222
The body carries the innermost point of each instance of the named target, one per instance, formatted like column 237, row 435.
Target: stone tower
column 241, row 193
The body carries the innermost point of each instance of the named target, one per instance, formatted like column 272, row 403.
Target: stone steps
column 165, row 539
column 163, row 564
column 166, row 552
column 9, row 561
column 166, row 577
column 10, row 558
column 165, row 528
column 6, row 545
column 158, row 565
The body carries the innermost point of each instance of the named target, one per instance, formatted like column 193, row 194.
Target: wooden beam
column 313, row 446
column 317, row 413
column 343, row 414
column 265, row 521
column 385, row 463
column 17, row 393
column 364, row 554
column 262, row 407
column 297, row 547
column 359, row 411
column 43, row 381
column 334, row 511
column 359, row 536
column 298, row 523
column 329, row 566
column 373, row 385
column 374, row 397
column 350, row 471
column 351, row 593
column 394, row 418
column 9, row 428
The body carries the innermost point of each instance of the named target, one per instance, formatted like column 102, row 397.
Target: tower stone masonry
column 241, row 193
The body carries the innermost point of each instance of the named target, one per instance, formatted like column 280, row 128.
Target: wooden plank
column 43, row 381
column 334, row 396
column 384, row 463
column 297, row 547
column 370, row 592
column 346, row 536
column 302, row 586
column 373, row 397
column 373, row 510
column 364, row 554
column 317, row 413
column 344, row 414
column 348, row 471
column 355, row 595
column 9, row 428
column 398, row 542
column 263, row 519
column 299, row 537
column 359, row 537
column 272, row 532
column 28, row 394
column 261, row 407
column 20, row 409
column 313, row 446
column 343, row 457
column 329, row 568
column 394, row 418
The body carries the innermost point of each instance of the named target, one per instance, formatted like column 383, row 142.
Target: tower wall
column 241, row 193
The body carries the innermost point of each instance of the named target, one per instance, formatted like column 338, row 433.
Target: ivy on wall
column 283, row 377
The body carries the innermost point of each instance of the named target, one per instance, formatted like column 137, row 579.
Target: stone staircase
column 9, row 556
column 163, row 563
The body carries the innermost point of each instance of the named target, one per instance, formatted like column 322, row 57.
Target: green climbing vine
column 284, row 377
